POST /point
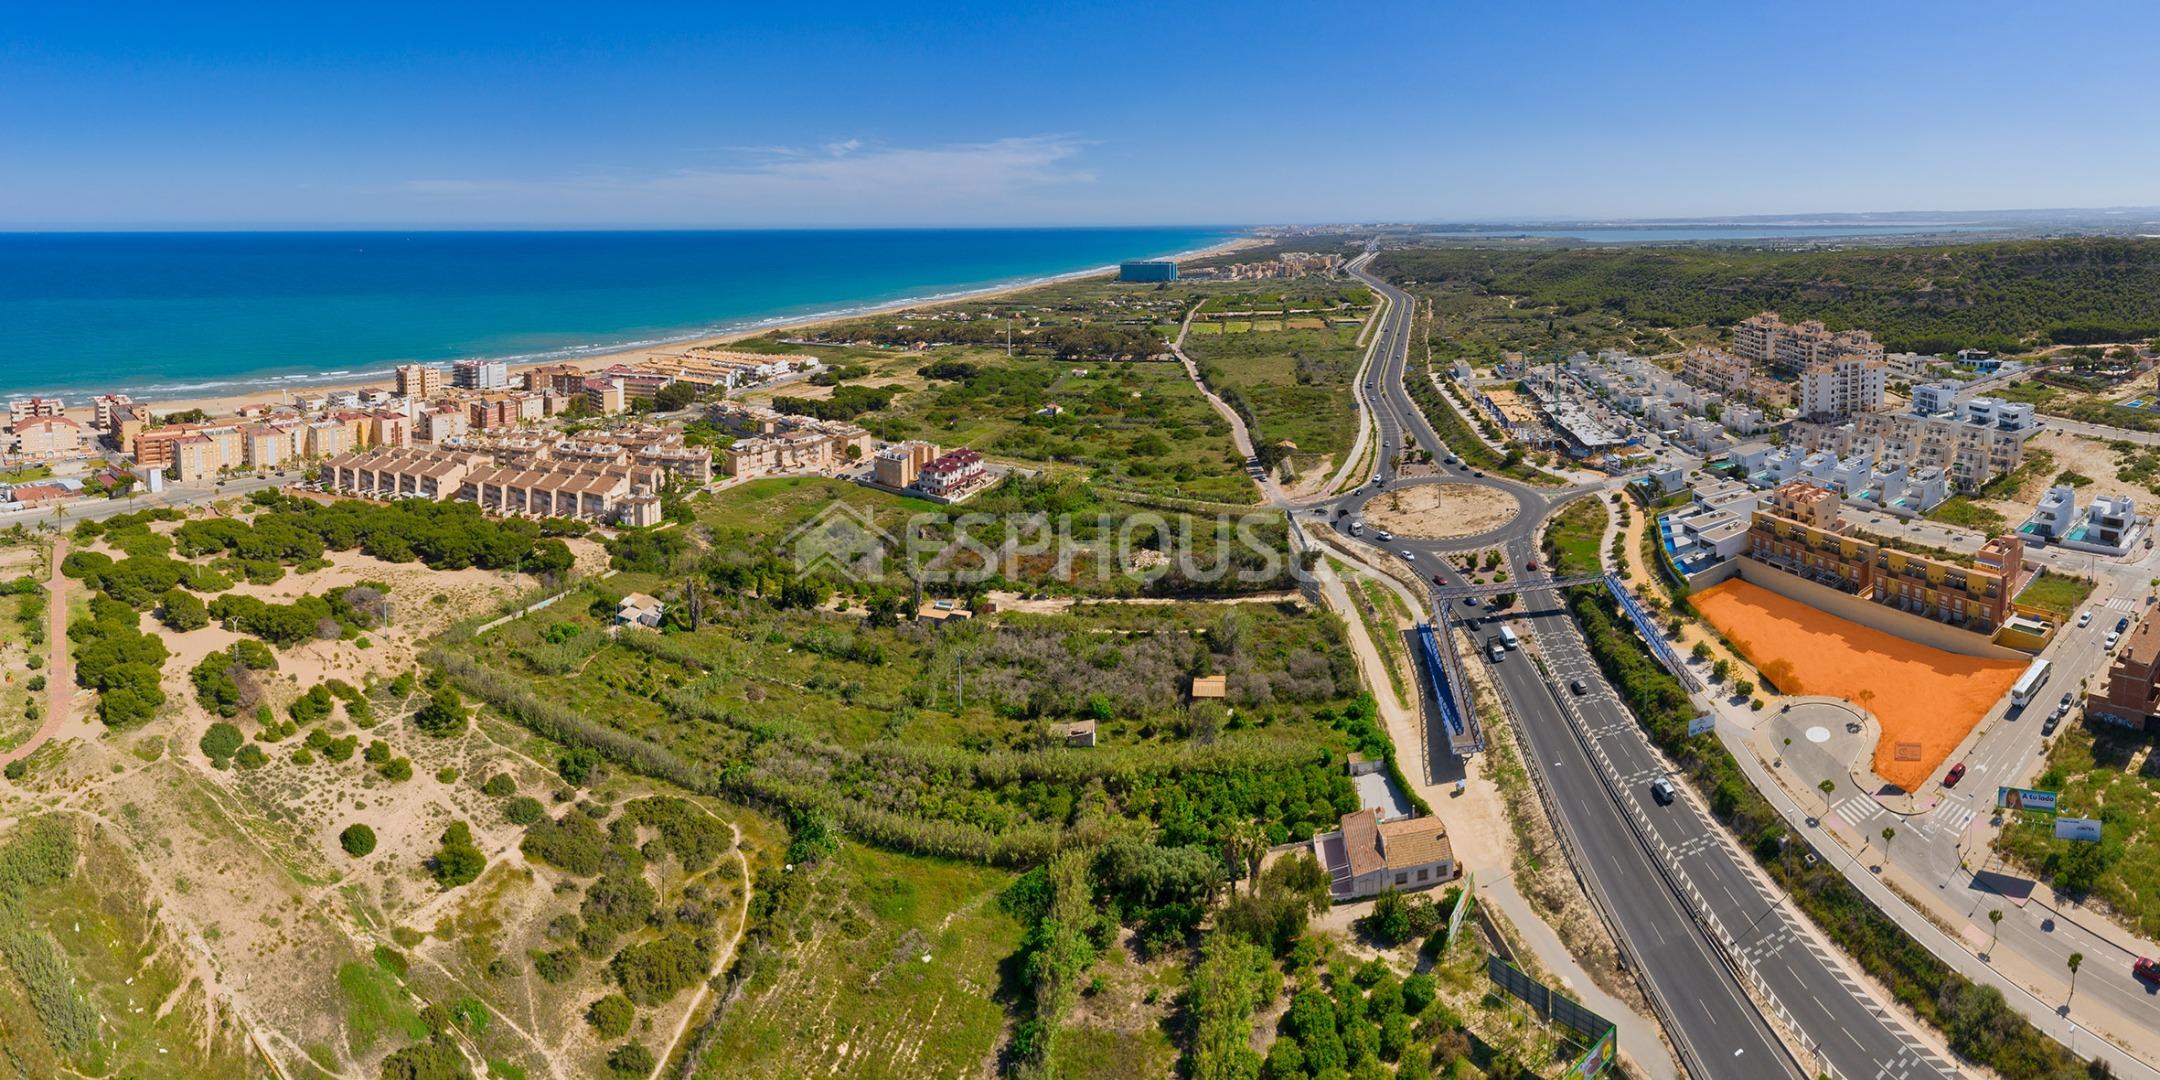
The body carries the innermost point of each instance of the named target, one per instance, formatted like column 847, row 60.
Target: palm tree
column 1888, row 834
column 2076, row 958
column 1994, row 928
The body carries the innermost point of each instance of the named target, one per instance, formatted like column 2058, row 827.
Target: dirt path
column 720, row 961
column 59, row 665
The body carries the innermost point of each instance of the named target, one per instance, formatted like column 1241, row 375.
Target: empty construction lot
column 1919, row 694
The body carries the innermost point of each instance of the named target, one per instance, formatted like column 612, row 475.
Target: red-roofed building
column 953, row 474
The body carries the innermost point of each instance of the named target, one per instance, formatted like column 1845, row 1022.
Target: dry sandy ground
column 2073, row 453
column 1919, row 694
column 1441, row 511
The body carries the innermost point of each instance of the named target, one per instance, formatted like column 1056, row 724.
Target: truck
column 1508, row 638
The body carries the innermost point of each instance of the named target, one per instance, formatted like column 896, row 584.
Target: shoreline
column 274, row 389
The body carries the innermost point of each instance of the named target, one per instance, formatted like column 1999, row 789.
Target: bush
column 251, row 757
column 182, row 610
column 630, row 1060
column 458, row 861
column 443, row 715
column 357, row 840
column 556, row 966
column 499, row 785
column 524, row 810
column 220, row 743
column 655, row 971
column 611, row 1016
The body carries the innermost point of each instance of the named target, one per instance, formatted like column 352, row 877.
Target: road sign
column 2012, row 798
column 2083, row 829
column 1702, row 725
column 1907, row 751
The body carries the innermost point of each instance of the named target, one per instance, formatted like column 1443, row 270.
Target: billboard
column 2078, row 828
column 1601, row 1056
column 1702, row 724
column 2016, row 798
column 1462, row 911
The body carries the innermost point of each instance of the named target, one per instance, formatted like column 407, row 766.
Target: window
column 1423, row 873
column 1402, row 878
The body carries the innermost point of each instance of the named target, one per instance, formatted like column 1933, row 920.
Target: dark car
column 2145, row 969
column 1578, row 688
column 1956, row 773
column 2122, row 624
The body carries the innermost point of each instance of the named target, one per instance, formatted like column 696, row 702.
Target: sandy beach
column 230, row 404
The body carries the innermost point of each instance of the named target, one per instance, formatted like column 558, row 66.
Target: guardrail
column 1463, row 736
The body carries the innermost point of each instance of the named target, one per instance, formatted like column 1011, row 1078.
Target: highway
column 1683, row 900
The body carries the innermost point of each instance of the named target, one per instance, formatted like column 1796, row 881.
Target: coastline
column 272, row 392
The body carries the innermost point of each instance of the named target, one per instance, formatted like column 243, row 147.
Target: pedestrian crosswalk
column 2120, row 603
column 1857, row 809
column 1953, row 815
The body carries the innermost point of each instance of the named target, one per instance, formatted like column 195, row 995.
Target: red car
column 2145, row 969
column 1957, row 773
column 1531, row 565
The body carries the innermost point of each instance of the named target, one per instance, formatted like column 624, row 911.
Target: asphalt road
column 1683, row 898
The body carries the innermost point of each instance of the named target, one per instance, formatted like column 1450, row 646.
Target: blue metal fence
column 1462, row 730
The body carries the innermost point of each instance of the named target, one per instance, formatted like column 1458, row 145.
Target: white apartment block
column 480, row 375
column 1972, row 454
column 1842, row 387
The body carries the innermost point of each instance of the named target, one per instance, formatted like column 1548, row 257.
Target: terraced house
column 1798, row 530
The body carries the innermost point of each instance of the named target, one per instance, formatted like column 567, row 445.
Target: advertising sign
column 2015, row 798
column 1462, row 910
column 2078, row 828
column 1702, row 724
column 1599, row 1058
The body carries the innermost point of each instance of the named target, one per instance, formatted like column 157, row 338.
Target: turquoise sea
column 199, row 314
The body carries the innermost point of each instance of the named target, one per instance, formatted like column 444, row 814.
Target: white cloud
column 845, row 180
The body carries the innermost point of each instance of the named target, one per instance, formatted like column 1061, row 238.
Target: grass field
column 2059, row 593
column 1919, row 694
column 1294, row 384
column 892, row 974
column 2106, row 773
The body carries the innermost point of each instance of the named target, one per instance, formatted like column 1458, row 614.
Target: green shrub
column 611, row 1016
column 357, row 840
column 220, row 743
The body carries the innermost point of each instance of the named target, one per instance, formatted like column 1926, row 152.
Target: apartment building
column 441, row 423
column 953, row 474
column 106, row 409
column 1842, row 386
column 49, row 436
column 603, row 493
column 606, row 397
column 1733, row 376
column 31, row 408
column 1972, row 454
column 1798, row 530
column 480, row 375
column 1769, row 341
column 898, row 465
column 419, row 382
column 2131, row 696
column 561, row 378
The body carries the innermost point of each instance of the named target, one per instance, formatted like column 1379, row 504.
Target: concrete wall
column 1889, row 620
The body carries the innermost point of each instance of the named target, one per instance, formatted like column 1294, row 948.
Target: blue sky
column 477, row 114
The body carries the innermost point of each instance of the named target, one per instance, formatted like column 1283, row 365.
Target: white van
column 1508, row 638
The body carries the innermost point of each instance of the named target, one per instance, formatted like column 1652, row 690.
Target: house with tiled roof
column 1366, row 855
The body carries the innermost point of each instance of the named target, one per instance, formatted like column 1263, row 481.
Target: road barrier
column 1464, row 736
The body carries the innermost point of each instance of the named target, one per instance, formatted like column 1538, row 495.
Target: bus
column 1507, row 638
column 2029, row 684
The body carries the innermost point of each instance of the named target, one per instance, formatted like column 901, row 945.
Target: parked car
column 1661, row 789
column 2112, row 638
column 2122, row 624
column 1956, row 773
column 2063, row 706
column 2047, row 726
column 2085, row 619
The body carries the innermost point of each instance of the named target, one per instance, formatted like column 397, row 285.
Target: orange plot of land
column 1920, row 694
